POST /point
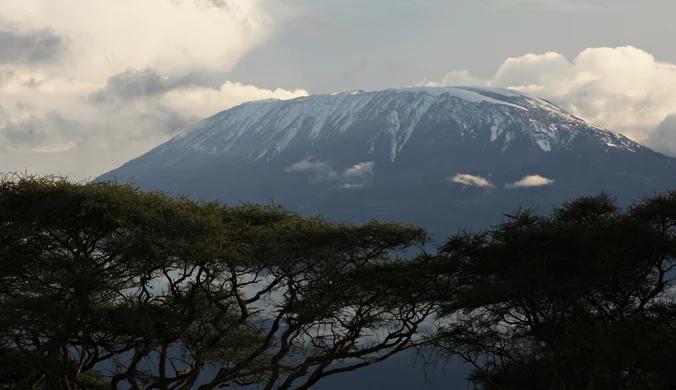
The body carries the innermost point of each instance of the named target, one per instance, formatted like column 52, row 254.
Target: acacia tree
column 581, row 298
column 105, row 285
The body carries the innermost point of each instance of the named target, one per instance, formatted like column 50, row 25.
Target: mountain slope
column 390, row 154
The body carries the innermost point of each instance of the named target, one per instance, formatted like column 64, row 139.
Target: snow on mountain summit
column 264, row 129
column 393, row 154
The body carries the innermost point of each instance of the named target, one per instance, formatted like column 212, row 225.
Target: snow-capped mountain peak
column 396, row 155
column 264, row 129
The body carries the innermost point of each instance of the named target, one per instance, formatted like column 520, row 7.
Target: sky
column 87, row 85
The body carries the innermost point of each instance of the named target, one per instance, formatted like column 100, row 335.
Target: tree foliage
column 581, row 298
column 106, row 286
column 103, row 285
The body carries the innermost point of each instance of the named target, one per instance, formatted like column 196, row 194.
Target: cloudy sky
column 88, row 85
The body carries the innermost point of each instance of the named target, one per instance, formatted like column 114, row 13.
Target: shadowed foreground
column 106, row 286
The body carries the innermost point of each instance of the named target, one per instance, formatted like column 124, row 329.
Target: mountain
column 393, row 155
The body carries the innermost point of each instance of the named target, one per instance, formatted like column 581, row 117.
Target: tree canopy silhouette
column 103, row 285
column 581, row 298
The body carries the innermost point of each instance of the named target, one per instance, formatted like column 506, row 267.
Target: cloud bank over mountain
column 623, row 89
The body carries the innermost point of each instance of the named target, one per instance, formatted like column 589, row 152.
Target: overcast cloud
column 88, row 85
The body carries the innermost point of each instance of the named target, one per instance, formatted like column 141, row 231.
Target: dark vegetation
column 579, row 299
column 106, row 286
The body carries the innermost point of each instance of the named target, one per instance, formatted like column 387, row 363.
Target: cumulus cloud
column 623, row 89
column 471, row 180
column 322, row 170
column 530, row 181
column 362, row 170
column 103, row 92
column 456, row 77
column 351, row 178
column 204, row 101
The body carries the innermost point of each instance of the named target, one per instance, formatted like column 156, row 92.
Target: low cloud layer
column 623, row 89
column 471, row 181
column 351, row 178
column 530, row 181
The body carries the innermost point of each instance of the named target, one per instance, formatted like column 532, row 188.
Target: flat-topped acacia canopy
column 170, row 293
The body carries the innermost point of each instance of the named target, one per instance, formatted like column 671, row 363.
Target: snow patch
column 544, row 144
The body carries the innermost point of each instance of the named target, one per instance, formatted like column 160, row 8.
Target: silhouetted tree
column 581, row 298
column 168, row 292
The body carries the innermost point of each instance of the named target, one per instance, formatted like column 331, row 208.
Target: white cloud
column 322, row 170
column 456, row 77
column 147, row 71
column 354, row 177
column 623, row 89
column 362, row 170
column 204, row 101
column 530, row 181
column 470, row 180
column 551, row 69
